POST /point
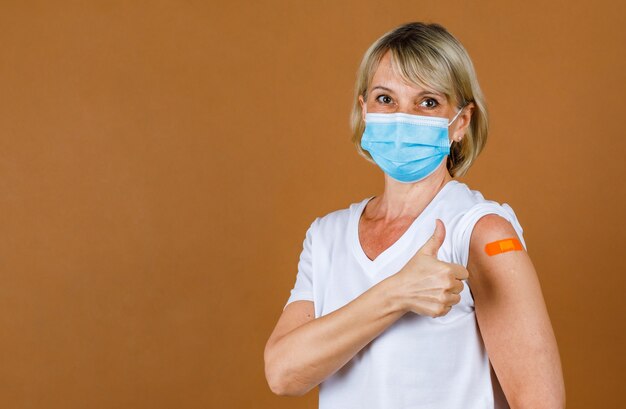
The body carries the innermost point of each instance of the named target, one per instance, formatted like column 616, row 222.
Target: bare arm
column 513, row 320
column 303, row 351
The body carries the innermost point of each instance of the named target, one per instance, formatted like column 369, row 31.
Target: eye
column 430, row 103
column 384, row 99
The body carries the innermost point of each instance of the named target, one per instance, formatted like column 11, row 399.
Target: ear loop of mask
column 454, row 119
column 456, row 116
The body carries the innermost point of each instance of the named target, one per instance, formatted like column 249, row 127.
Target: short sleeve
column 303, row 288
column 463, row 231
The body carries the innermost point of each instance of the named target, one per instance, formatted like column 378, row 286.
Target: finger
column 457, row 287
column 431, row 247
column 454, row 299
column 441, row 311
column 460, row 273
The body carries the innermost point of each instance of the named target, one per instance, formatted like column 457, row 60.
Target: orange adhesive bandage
column 502, row 246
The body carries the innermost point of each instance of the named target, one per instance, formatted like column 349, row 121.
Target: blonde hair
column 429, row 56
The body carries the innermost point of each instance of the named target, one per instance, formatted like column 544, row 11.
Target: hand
column 428, row 286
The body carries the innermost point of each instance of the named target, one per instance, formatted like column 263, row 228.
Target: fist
column 428, row 286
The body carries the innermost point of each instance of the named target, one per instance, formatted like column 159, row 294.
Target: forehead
column 388, row 74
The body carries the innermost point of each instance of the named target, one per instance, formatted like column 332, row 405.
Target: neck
column 400, row 200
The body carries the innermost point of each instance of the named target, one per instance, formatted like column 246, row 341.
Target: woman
column 422, row 296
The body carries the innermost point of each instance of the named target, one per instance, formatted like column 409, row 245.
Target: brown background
column 160, row 162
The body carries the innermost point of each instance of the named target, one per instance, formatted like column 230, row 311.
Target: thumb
column 431, row 247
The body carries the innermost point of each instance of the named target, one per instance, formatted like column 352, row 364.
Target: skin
column 303, row 351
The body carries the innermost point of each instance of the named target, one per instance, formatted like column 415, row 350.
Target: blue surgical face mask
column 407, row 147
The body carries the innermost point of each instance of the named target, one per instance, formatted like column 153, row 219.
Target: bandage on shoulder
column 502, row 246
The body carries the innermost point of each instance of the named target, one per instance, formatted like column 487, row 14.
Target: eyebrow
column 381, row 87
column 425, row 92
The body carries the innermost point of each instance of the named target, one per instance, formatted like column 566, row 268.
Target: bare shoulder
column 491, row 227
column 483, row 265
column 504, row 280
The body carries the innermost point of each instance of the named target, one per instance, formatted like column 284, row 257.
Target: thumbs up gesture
column 426, row 285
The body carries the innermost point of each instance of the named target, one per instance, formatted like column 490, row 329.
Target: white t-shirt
column 418, row 362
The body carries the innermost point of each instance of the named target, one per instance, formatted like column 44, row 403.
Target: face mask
column 407, row 147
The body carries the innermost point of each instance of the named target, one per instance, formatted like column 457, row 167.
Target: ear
column 462, row 122
column 363, row 107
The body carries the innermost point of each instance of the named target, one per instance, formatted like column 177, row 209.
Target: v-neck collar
column 373, row 266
